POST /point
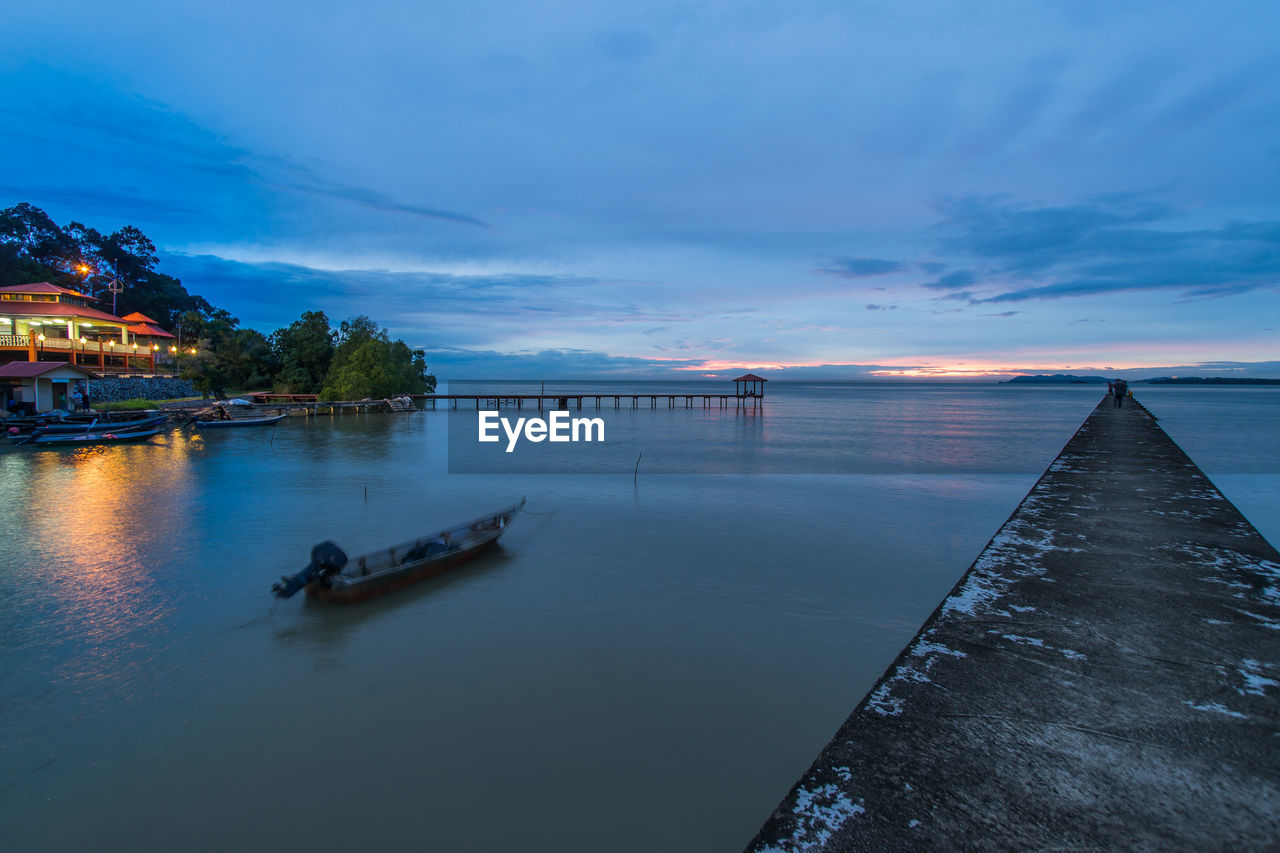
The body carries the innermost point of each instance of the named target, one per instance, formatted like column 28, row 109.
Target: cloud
column 862, row 267
column 439, row 309
column 312, row 184
column 268, row 295
column 111, row 135
column 96, row 198
column 461, row 363
column 1111, row 244
column 952, row 281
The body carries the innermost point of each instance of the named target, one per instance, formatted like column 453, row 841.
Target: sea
column 678, row 622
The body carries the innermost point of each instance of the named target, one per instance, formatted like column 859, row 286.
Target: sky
column 814, row 190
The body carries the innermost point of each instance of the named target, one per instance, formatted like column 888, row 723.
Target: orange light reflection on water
column 100, row 525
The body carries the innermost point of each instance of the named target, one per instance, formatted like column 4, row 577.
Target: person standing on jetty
column 1118, row 390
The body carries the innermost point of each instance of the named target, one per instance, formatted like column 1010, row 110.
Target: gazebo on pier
column 752, row 385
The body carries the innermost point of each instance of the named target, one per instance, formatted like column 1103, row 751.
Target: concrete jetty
column 1105, row 676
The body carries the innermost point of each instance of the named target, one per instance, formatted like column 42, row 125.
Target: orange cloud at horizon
column 925, row 367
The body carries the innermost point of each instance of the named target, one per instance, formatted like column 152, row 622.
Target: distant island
column 1056, row 379
column 1209, row 380
column 1072, row 379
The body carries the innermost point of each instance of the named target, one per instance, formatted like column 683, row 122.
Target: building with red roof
column 39, row 386
column 44, row 322
column 147, row 332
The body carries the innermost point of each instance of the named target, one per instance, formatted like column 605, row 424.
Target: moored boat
column 240, row 422
column 101, row 437
column 331, row 576
column 95, row 425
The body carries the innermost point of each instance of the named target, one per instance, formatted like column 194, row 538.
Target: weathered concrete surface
column 1105, row 676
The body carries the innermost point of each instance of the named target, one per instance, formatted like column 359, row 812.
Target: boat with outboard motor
column 331, row 576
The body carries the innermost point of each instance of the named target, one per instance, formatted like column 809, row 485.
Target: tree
column 34, row 247
column 128, row 257
column 304, row 351
column 230, row 359
column 367, row 363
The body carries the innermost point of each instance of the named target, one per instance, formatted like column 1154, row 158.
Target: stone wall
column 113, row 390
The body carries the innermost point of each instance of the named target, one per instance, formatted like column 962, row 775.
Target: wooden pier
column 565, row 401
column 749, row 392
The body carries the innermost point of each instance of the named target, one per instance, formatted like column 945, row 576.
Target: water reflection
column 96, row 525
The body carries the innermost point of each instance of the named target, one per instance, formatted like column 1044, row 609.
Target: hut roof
column 56, row 309
column 750, row 377
column 44, row 287
column 28, row 369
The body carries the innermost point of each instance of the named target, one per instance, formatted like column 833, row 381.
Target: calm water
column 643, row 667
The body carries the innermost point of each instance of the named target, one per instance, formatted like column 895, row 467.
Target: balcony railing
column 66, row 344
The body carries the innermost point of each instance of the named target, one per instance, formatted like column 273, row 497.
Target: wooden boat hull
column 318, row 591
column 382, row 572
column 240, row 422
column 136, row 425
column 90, row 439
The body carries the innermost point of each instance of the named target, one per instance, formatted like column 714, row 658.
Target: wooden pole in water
column 636, row 475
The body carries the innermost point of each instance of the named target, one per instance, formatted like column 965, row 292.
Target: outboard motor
column 326, row 559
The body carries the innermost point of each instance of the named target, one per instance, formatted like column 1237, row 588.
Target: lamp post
column 40, row 338
column 81, row 361
column 113, row 284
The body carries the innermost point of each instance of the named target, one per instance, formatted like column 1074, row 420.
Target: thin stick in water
column 637, row 473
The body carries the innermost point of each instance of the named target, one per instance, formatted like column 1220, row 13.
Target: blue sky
column 818, row 189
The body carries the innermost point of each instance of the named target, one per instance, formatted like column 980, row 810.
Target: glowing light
column 953, row 372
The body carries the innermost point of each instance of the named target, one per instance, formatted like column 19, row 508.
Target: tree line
column 357, row 359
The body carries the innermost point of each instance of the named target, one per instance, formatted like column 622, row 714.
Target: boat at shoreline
column 74, row 428
column 88, row 438
column 331, row 576
column 240, row 422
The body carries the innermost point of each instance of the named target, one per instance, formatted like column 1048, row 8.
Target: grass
column 140, row 403
column 136, row 404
